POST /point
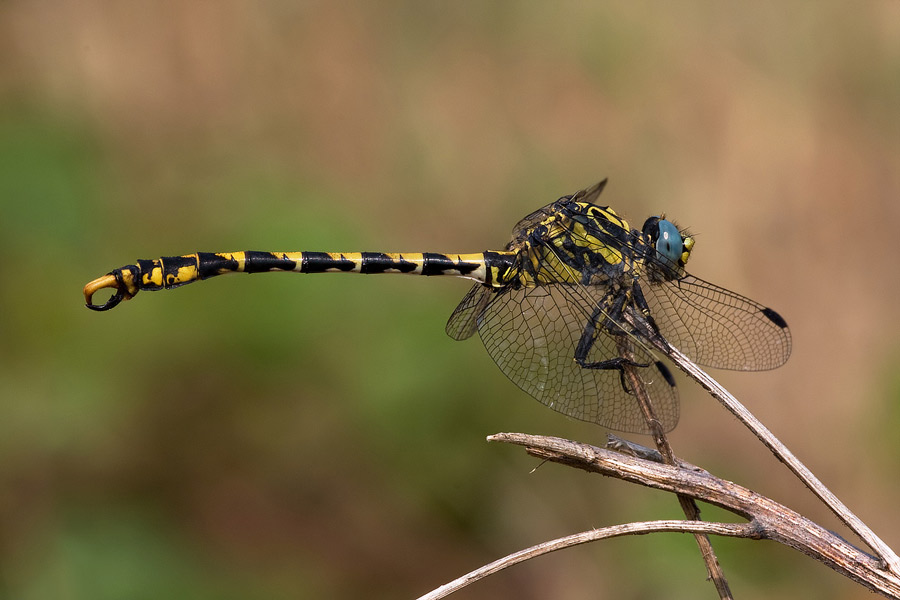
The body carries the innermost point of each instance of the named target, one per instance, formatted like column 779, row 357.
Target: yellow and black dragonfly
column 555, row 309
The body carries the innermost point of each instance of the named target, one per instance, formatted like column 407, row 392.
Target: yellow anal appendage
column 107, row 281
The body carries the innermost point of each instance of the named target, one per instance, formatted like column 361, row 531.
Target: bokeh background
column 320, row 437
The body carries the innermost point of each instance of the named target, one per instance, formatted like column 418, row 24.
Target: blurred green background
column 320, row 437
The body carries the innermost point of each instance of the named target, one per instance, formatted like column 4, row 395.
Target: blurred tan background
column 320, row 437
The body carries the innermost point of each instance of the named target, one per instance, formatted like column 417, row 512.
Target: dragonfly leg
column 586, row 342
column 641, row 303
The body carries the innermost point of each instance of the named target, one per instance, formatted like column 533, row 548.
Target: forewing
column 716, row 327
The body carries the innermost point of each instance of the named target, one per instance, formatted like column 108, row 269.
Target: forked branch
column 767, row 519
column 667, row 455
column 889, row 558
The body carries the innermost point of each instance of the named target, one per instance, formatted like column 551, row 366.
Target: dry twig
column 695, row 527
column 688, row 506
column 767, row 519
column 888, row 557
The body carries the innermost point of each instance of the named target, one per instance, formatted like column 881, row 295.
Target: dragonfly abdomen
column 491, row 268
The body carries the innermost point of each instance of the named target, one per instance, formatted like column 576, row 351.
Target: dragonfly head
column 673, row 246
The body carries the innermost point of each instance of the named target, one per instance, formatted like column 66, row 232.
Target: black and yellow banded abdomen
column 491, row 268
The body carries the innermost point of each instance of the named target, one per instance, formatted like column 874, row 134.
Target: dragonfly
column 575, row 298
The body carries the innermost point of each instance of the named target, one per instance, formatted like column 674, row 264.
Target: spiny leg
column 588, row 338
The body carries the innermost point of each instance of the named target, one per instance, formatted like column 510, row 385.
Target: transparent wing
column 590, row 194
column 716, row 327
column 532, row 334
column 533, row 219
column 586, row 195
column 713, row 326
column 463, row 322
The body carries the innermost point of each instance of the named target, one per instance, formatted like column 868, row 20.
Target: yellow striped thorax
column 587, row 239
column 601, row 221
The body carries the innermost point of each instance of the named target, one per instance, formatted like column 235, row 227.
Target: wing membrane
column 716, row 327
column 463, row 322
column 713, row 326
column 532, row 333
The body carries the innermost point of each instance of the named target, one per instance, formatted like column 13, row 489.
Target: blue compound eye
column 669, row 244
